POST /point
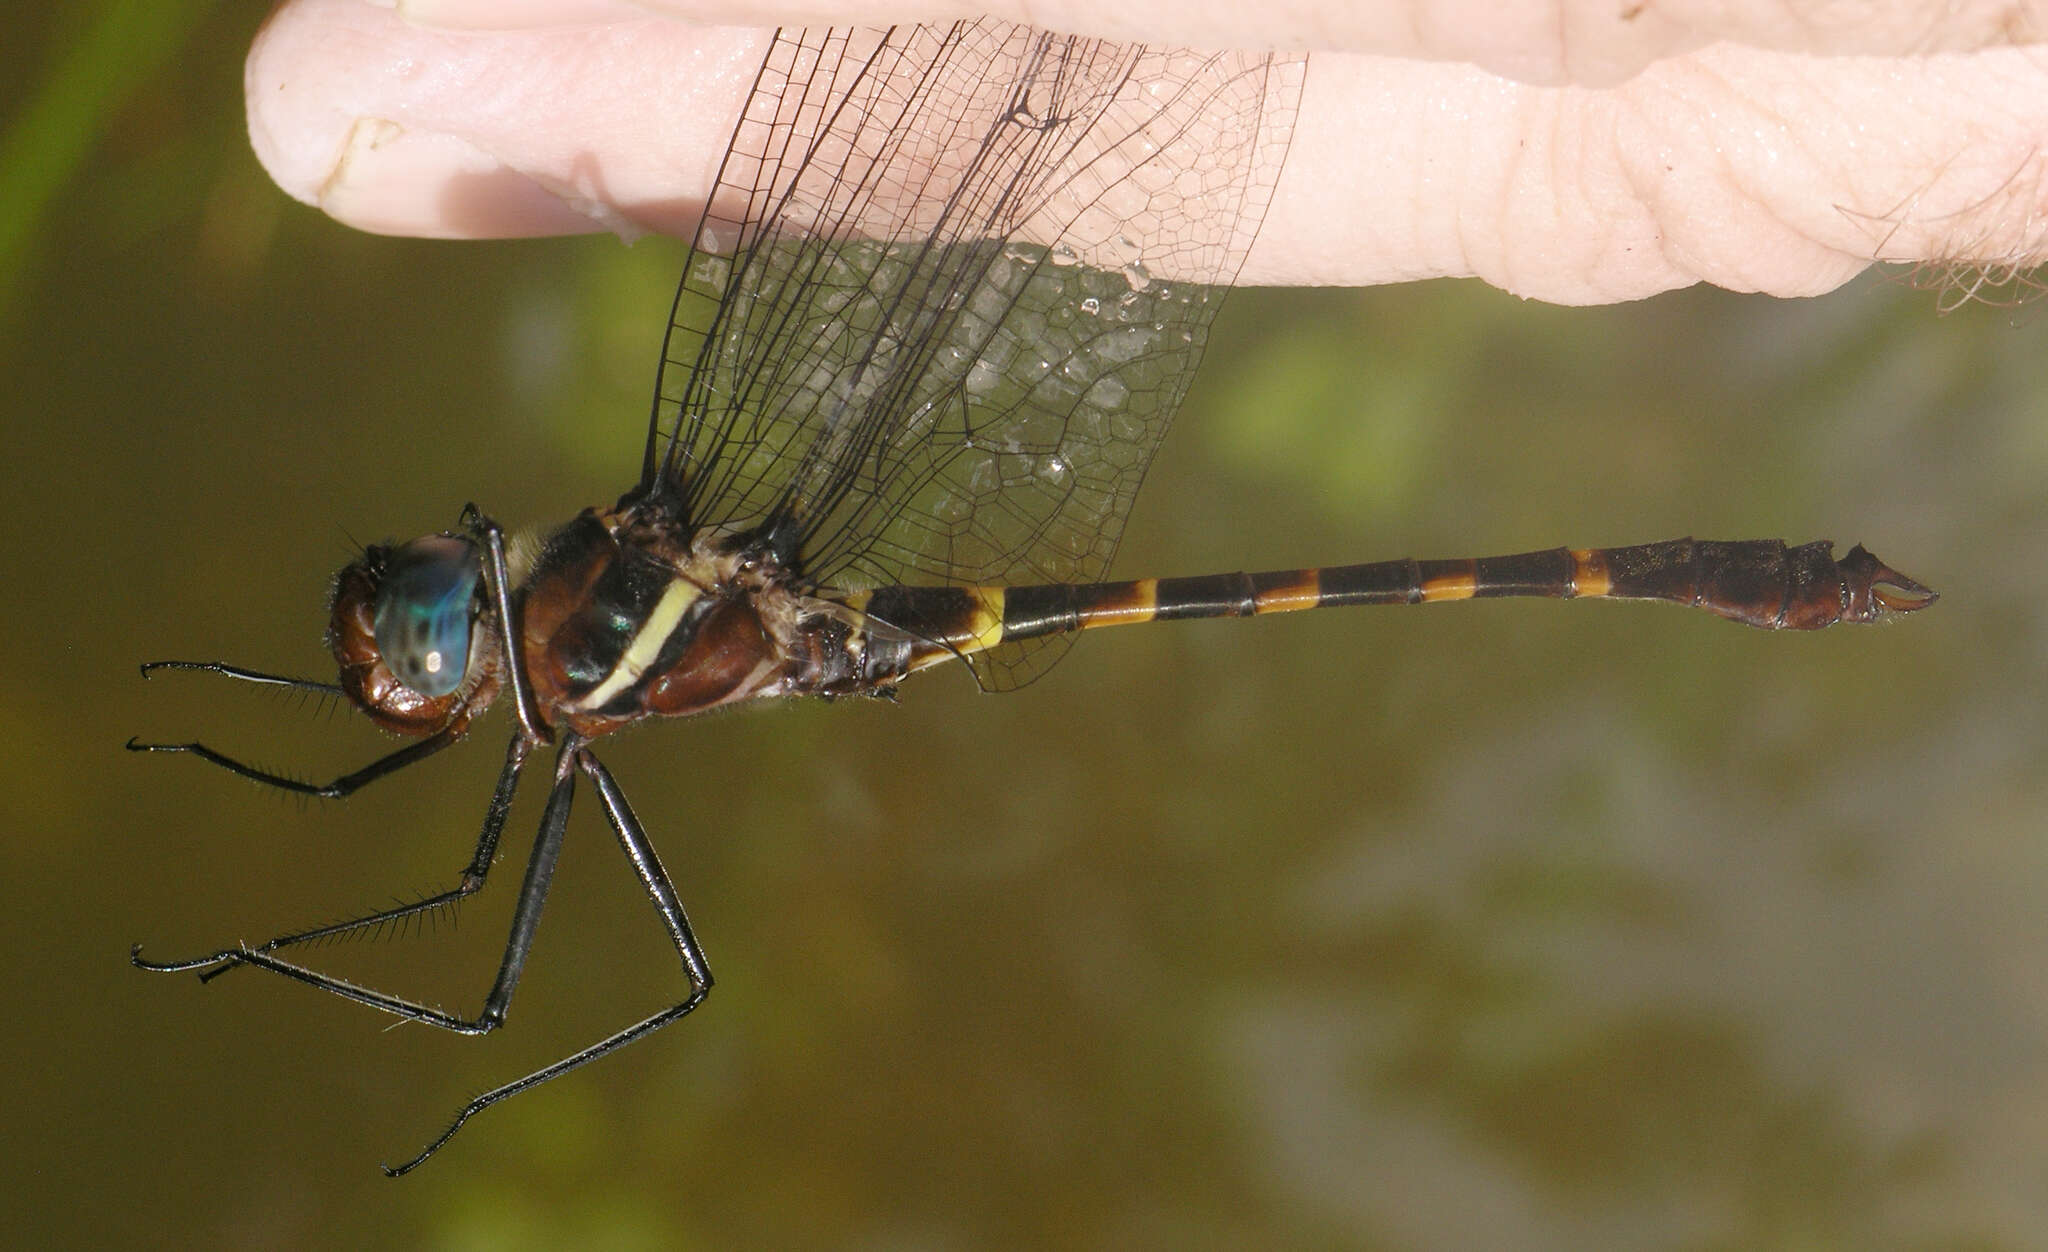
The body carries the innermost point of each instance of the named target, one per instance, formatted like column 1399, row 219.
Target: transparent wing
column 918, row 337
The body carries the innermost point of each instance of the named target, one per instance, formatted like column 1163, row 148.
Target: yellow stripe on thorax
column 647, row 644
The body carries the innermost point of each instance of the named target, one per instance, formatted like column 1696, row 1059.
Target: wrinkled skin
column 1577, row 153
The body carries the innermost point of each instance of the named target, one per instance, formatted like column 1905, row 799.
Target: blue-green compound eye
column 422, row 621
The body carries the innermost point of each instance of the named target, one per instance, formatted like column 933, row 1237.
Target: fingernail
column 398, row 182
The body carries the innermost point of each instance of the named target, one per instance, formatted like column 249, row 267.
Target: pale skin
column 1574, row 152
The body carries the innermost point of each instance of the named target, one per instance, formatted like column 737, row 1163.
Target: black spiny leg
column 647, row 866
column 469, row 883
column 533, row 892
column 335, row 790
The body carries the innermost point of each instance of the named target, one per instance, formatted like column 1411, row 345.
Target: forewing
column 918, row 338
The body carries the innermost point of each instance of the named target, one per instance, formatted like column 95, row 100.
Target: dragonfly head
column 408, row 632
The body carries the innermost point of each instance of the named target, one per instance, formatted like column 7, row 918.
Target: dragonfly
column 947, row 292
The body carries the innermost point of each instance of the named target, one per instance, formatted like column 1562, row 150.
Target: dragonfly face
column 405, row 628
column 427, row 600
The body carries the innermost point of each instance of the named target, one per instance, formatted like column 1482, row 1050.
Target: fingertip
column 327, row 84
column 395, row 128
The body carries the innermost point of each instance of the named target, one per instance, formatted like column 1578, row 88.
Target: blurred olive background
column 1519, row 925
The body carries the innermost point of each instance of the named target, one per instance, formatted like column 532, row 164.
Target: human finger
column 1750, row 169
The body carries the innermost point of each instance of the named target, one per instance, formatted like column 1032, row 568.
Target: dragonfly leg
column 338, row 787
column 654, row 879
column 240, row 674
column 334, row 790
column 500, row 586
column 469, row 883
column 540, row 870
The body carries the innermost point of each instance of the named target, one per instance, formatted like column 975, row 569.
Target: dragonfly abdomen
column 1758, row 582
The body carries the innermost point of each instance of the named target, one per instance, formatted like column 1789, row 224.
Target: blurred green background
column 1519, row 925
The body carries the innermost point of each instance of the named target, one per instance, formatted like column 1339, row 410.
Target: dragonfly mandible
column 947, row 293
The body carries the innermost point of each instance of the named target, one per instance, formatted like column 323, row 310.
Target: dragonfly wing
column 948, row 291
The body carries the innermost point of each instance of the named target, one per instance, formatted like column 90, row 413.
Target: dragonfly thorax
column 625, row 616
